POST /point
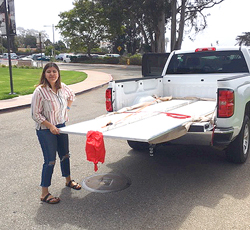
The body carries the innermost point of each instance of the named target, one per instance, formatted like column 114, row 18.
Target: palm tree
column 243, row 39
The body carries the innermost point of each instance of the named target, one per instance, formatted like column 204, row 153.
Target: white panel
column 149, row 123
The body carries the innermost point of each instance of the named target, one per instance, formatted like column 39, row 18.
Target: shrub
column 136, row 59
column 79, row 59
column 123, row 60
column 111, row 60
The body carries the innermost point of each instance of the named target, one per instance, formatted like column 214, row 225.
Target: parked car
column 40, row 57
column 101, row 56
column 66, row 57
column 112, row 55
column 94, row 55
column 26, row 58
column 60, row 56
column 36, row 56
column 12, row 56
column 43, row 58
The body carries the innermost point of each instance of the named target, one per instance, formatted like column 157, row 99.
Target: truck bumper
column 219, row 138
column 222, row 137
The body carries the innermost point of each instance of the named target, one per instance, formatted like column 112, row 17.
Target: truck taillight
column 225, row 103
column 109, row 106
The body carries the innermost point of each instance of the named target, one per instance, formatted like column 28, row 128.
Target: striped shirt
column 50, row 106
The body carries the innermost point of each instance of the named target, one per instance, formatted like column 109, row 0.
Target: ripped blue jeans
column 51, row 144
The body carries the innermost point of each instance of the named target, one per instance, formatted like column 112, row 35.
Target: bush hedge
column 123, row 60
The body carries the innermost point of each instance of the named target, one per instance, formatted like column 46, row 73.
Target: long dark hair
column 44, row 82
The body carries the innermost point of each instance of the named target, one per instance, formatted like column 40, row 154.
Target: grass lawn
column 24, row 80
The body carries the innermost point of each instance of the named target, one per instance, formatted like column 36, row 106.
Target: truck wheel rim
column 246, row 140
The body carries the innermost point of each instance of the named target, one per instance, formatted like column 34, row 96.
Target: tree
column 28, row 38
column 13, row 44
column 133, row 24
column 60, row 46
column 149, row 18
column 30, row 41
column 49, row 50
column 243, row 39
column 152, row 19
column 133, row 20
column 83, row 26
column 184, row 16
column 189, row 15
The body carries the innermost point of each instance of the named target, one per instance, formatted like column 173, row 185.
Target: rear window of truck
column 208, row 62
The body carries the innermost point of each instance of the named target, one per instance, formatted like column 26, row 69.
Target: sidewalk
column 95, row 79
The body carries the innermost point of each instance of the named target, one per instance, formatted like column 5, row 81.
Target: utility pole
column 8, row 41
column 53, row 33
column 40, row 45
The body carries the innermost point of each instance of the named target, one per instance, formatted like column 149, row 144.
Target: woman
column 51, row 101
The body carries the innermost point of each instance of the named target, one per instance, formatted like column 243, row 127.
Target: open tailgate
column 154, row 124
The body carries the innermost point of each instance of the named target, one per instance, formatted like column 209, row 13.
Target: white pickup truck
column 202, row 97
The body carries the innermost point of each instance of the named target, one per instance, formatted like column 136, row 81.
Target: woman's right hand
column 53, row 129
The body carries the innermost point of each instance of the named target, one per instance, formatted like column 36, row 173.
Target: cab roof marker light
column 205, row 49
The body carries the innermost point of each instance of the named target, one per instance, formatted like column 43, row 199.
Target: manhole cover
column 108, row 182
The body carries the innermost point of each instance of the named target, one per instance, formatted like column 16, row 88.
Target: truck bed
column 153, row 123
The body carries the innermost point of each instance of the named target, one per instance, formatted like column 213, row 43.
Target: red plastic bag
column 95, row 149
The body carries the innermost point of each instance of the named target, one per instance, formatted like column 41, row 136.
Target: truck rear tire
column 138, row 145
column 237, row 152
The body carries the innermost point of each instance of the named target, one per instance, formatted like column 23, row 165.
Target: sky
column 227, row 21
column 35, row 14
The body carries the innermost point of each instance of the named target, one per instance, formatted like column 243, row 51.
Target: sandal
column 53, row 200
column 76, row 186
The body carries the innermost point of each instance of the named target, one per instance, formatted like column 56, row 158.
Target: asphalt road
column 181, row 187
